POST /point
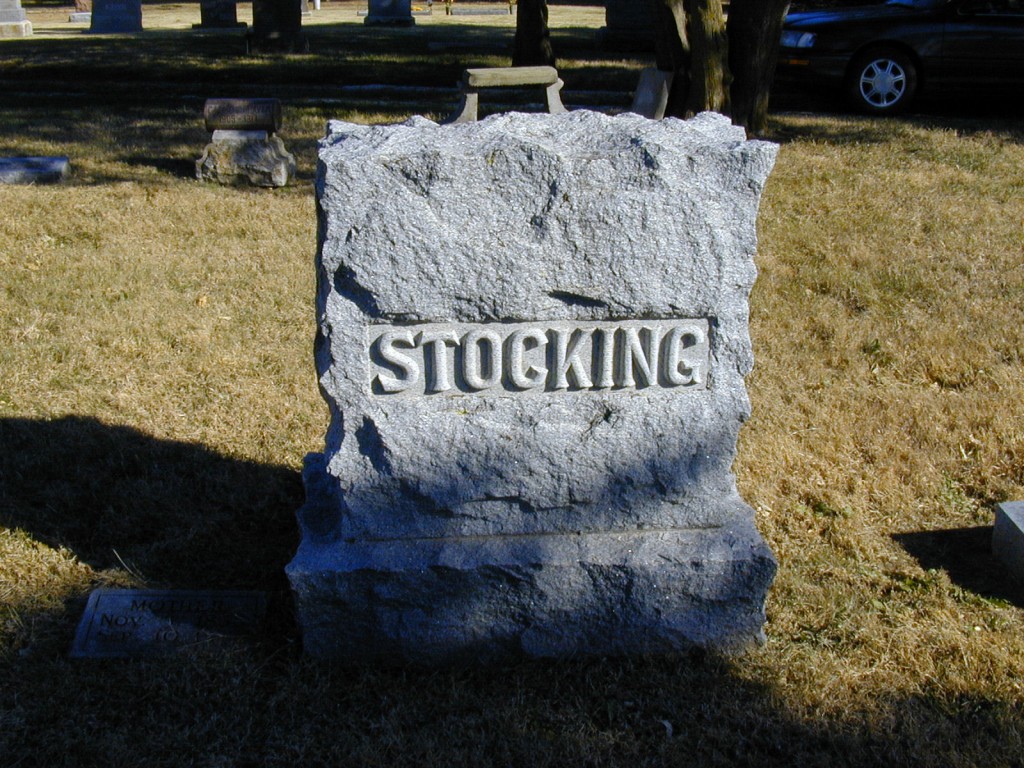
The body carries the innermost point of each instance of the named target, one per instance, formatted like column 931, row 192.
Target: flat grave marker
column 126, row 623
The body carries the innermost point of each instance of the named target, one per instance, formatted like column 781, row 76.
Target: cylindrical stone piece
column 243, row 115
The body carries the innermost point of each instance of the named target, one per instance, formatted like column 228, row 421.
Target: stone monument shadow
column 180, row 168
column 966, row 555
column 178, row 514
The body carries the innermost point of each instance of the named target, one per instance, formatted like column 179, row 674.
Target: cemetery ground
column 157, row 395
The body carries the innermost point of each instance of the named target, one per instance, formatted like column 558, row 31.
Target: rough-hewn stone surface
column 532, row 433
column 262, row 162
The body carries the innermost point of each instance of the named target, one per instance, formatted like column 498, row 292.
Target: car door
column 983, row 43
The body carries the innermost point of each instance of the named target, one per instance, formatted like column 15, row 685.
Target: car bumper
column 798, row 64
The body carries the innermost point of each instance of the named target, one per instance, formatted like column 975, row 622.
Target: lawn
column 157, row 395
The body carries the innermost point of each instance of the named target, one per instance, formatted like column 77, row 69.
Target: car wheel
column 882, row 81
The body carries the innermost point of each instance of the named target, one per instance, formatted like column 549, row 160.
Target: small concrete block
column 1008, row 537
column 651, row 97
column 33, row 170
column 125, row 623
column 80, row 17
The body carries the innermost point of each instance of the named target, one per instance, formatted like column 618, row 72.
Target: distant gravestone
column 13, row 21
column 395, row 13
column 124, row 623
column 532, row 339
column 116, row 16
column 219, row 14
column 34, row 170
column 243, row 148
column 629, row 25
column 277, row 26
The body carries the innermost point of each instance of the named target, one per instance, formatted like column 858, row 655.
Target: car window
column 992, row 8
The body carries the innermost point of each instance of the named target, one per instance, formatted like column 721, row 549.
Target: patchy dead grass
column 157, row 395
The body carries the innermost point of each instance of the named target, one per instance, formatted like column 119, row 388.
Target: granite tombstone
column 532, row 339
column 218, row 14
column 392, row 13
column 116, row 16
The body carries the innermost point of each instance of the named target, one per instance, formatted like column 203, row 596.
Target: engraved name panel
column 493, row 359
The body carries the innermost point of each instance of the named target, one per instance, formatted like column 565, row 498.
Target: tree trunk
column 672, row 52
column 754, row 30
column 691, row 42
column 533, row 40
column 709, row 50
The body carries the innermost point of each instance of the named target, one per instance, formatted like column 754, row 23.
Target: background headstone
column 116, row 16
column 532, row 340
column 277, row 26
column 219, row 14
column 13, row 21
column 397, row 13
column 629, row 25
column 243, row 149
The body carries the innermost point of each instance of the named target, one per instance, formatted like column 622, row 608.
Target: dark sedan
column 884, row 55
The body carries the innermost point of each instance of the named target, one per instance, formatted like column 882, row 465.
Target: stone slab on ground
column 34, row 170
column 532, row 338
column 1008, row 538
column 126, row 623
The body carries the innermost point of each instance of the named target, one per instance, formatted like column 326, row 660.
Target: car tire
column 882, row 81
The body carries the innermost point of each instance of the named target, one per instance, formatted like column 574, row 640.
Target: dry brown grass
column 157, row 395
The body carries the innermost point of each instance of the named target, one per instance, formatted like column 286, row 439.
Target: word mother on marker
column 502, row 358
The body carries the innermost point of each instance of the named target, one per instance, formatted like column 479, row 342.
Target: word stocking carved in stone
column 532, row 339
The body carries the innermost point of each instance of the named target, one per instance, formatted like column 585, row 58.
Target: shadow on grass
column 966, row 555
column 185, row 516
column 179, row 515
column 182, row 169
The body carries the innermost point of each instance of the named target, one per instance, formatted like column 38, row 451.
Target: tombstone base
column 16, row 29
column 486, row 599
column 1008, row 538
column 260, row 162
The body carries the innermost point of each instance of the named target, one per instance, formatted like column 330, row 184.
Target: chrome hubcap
column 883, row 83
